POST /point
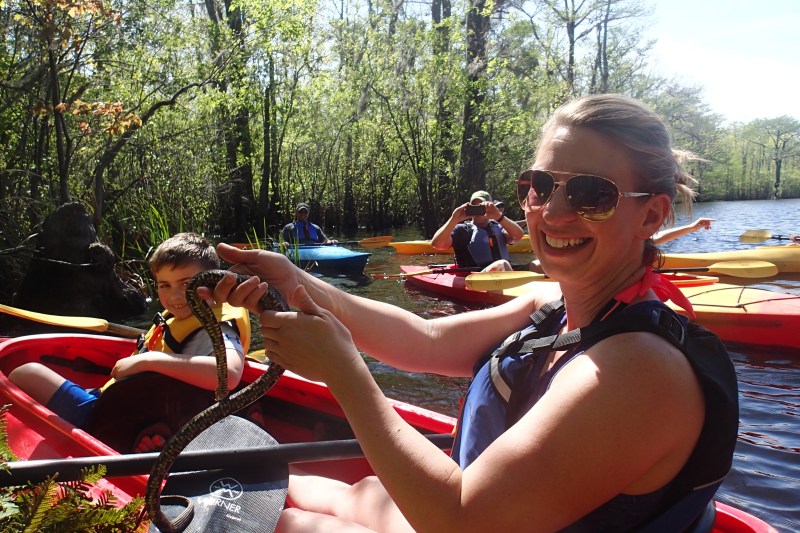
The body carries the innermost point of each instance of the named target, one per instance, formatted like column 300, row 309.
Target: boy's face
column 171, row 282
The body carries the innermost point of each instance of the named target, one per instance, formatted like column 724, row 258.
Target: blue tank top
column 301, row 233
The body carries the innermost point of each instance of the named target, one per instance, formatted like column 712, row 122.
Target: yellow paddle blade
column 79, row 322
column 75, row 322
column 495, row 281
column 755, row 235
column 376, row 242
column 744, row 269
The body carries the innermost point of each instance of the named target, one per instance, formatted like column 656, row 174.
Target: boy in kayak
column 301, row 231
column 175, row 345
column 478, row 239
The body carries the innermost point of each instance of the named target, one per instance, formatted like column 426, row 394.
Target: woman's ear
column 658, row 208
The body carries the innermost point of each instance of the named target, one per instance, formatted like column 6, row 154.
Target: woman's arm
column 673, row 233
column 448, row 346
column 621, row 418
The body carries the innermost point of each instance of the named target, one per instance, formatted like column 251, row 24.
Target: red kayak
column 294, row 411
column 450, row 285
column 736, row 314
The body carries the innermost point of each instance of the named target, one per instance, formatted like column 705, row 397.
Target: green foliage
column 219, row 118
column 65, row 507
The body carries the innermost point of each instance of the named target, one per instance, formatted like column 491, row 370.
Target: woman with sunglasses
column 600, row 435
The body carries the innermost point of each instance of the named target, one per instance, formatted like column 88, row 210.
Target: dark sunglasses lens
column 523, row 188
column 534, row 188
column 594, row 198
column 542, row 184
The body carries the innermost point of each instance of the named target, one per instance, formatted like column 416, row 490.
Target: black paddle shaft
column 35, row 471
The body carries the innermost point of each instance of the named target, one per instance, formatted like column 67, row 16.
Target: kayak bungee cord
column 224, row 406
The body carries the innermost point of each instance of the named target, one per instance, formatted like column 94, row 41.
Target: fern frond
column 6, row 454
column 40, row 501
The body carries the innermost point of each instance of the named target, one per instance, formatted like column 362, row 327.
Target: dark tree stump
column 72, row 273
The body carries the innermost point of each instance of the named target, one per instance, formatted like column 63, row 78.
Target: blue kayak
column 328, row 259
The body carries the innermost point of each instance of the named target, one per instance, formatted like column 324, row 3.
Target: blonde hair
column 659, row 168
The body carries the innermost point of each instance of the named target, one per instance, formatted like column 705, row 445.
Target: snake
column 225, row 403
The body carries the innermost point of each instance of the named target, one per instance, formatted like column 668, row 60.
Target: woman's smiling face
column 565, row 243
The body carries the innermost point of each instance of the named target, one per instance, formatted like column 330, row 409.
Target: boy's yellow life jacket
column 169, row 334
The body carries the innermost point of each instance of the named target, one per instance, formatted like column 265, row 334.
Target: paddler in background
column 479, row 233
column 302, row 231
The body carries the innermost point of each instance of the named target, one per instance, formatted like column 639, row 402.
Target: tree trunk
column 62, row 140
column 473, row 158
column 445, row 156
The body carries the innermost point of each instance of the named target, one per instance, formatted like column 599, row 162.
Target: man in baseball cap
column 480, row 239
column 301, row 231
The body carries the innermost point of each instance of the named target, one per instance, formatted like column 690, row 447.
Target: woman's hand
column 266, row 268
column 311, row 342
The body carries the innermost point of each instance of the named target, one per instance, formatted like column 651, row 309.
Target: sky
column 745, row 53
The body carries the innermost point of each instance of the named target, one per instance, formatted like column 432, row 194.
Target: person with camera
column 479, row 234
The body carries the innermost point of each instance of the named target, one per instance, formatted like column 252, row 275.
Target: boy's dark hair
column 182, row 249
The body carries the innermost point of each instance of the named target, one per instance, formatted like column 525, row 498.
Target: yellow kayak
column 786, row 258
column 736, row 314
column 424, row 247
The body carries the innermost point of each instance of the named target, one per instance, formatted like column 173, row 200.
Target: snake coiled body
column 225, row 404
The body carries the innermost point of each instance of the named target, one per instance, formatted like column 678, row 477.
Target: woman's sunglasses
column 592, row 197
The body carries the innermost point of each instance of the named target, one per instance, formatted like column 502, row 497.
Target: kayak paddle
column 440, row 268
column 77, row 322
column 37, row 470
column 760, row 235
column 369, row 242
column 488, row 281
column 426, row 271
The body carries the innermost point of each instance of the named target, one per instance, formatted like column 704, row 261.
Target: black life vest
column 712, row 456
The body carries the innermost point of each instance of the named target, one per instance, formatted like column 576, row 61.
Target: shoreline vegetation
column 219, row 121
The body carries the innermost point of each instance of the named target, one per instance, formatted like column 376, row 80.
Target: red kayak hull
column 451, row 286
column 37, row 433
column 737, row 314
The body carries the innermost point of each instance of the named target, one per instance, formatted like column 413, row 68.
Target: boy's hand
column 129, row 366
